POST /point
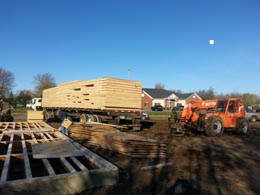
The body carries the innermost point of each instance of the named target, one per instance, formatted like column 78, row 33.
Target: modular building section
column 104, row 99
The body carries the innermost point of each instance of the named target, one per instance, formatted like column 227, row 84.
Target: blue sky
column 160, row 41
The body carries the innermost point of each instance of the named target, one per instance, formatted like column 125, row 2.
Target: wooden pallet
column 60, row 174
column 104, row 93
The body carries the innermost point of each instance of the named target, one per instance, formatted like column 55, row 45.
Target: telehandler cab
column 210, row 117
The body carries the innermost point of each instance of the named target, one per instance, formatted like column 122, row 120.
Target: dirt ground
column 223, row 165
column 200, row 165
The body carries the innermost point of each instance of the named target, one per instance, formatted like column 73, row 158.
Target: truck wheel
column 214, row 126
column 253, row 119
column 242, row 126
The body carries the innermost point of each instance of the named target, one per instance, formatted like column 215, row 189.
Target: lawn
column 20, row 110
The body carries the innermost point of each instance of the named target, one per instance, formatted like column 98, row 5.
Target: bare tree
column 43, row 81
column 159, row 86
column 6, row 82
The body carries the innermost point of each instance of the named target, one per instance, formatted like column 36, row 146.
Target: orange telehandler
column 210, row 117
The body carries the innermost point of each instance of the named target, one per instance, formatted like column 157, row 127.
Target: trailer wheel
column 47, row 116
column 214, row 126
column 83, row 118
column 96, row 118
column 242, row 126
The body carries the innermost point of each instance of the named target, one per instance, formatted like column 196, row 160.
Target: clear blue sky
column 160, row 41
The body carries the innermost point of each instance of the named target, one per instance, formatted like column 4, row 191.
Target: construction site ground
column 223, row 165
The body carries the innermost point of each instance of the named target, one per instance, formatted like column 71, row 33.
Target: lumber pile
column 121, row 142
column 35, row 116
column 103, row 93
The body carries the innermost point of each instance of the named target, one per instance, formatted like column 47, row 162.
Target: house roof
column 158, row 93
column 163, row 93
column 183, row 96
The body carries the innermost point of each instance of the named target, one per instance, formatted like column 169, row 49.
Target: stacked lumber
column 104, row 93
column 35, row 116
column 121, row 142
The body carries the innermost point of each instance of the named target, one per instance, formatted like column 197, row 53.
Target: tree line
column 22, row 97
column 47, row 80
column 249, row 99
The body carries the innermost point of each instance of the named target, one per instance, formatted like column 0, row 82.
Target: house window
column 146, row 104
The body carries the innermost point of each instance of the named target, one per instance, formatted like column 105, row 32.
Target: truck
column 104, row 100
column 34, row 104
column 210, row 117
column 253, row 116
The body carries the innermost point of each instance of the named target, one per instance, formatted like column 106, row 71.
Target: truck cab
column 35, row 104
column 253, row 116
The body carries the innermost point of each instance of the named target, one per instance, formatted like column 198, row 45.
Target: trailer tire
column 242, row 126
column 46, row 116
column 97, row 118
column 214, row 126
column 83, row 118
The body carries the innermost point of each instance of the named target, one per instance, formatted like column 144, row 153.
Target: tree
column 23, row 97
column 159, row 86
column 6, row 82
column 249, row 99
column 210, row 94
column 207, row 94
column 179, row 91
column 43, row 81
column 11, row 98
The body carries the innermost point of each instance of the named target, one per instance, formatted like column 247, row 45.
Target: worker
column 231, row 107
column 64, row 118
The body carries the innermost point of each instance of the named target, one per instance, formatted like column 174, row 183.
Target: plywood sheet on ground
column 57, row 149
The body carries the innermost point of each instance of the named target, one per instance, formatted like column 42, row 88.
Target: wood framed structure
column 22, row 171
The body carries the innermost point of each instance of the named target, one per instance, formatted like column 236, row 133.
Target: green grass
column 155, row 115
column 20, row 110
column 161, row 115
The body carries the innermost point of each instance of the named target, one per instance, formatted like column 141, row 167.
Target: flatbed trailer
column 105, row 100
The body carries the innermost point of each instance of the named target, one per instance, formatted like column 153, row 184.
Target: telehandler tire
column 214, row 126
column 253, row 119
column 242, row 126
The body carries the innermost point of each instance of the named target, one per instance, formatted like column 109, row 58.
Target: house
column 166, row 98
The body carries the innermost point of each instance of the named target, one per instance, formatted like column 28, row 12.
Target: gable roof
column 183, row 96
column 163, row 93
column 157, row 93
